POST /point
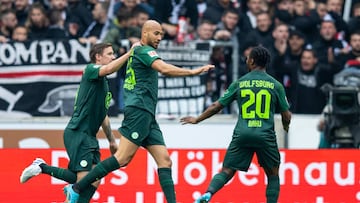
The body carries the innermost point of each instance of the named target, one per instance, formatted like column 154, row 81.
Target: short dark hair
column 230, row 10
column 260, row 55
column 310, row 50
column 97, row 49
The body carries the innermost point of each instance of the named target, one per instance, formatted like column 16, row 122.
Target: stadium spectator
column 284, row 63
column 296, row 45
column 59, row 6
column 205, row 31
column 126, row 28
column 226, row 29
column 141, row 16
column 262, row 34
column 352, row 59
column 302, row 21
column 7, row 24
column 215, row 9
column 5, row 5
column 20, row 34
column 79, row 17
column 37, row 22
column 329, row 44
column 334, row 11
column 316, row 15
column 335, row 6
column 247, row 20
column 168, row 13
column 145, row 5
column 354, row 22
column 201, row 7
column 311, row 4
column 284, row 11
column 22, row 8
column 307, row 78
column 128, row 6
column 57, row 29
column 94, row 31
column 278, row 49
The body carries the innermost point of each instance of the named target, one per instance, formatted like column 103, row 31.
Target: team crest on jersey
column 96, row 66
column 134, row 135
column 152, row 53
column 83, row 163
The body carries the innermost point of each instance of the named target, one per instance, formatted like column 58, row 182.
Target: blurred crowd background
column 311, row 41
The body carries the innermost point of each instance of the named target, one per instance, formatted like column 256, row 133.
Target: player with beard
column 139, row 127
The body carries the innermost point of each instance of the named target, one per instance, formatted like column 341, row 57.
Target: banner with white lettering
column 306, row 176
column 183, row 95
column 40, row 78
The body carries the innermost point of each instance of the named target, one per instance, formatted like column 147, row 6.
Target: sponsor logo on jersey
column 152, row 53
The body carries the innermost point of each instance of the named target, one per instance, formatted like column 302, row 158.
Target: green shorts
column 82, row 149
column 140, row 127
column 239, row 154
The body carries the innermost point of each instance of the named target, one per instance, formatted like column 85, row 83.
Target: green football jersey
column 258, row 96
column 141, row 81
column 92, row 101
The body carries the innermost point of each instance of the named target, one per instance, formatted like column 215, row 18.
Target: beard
column 356, row 52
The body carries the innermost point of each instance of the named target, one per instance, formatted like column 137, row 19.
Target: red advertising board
column 306, row 176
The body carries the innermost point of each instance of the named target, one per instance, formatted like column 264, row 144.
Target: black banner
column 182, row 95
column 40, row 78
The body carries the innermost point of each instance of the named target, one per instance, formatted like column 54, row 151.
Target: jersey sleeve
column 91, row 71
column 148, row 55
column 229, row 95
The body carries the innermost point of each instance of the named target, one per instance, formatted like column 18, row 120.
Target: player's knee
column 272, row 171
column 124, row 161
column 230, row 172
column 165, row 163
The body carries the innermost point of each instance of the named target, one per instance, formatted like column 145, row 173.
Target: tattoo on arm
column 107, row 130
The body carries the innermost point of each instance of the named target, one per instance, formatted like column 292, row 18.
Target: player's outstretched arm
column 210, row 111
column 171, row 70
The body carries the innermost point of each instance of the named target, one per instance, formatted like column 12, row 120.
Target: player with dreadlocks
column 258, row 96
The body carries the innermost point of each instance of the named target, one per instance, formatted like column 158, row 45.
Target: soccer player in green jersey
column 90, row 112
column 258, row 95
column 139, row 127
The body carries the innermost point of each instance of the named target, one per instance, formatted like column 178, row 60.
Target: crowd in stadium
column 309, row 40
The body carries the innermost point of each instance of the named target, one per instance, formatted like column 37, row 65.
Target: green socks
column 87, row 194
column 100, row 171
column 167, row 184
column 218, row 181
column 70, row 177
column 59, row 173
column 272, row 189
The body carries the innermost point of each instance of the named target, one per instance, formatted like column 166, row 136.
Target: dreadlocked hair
column 261, row 56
